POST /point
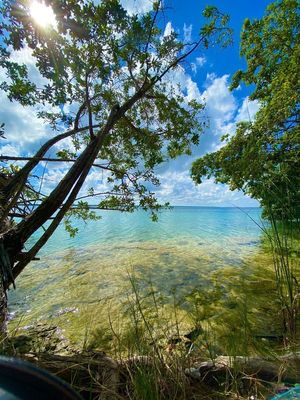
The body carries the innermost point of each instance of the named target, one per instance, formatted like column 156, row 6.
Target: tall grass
column 286, row 281
column 284, row 239
column 151, row 337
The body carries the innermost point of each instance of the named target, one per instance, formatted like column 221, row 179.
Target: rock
column 37, row 338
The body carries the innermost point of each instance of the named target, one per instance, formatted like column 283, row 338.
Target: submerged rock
column 38, row 338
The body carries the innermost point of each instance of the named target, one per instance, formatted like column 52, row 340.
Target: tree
column 262, row 157
column 110, row 70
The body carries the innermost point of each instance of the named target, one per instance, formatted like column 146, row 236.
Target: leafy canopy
column 102, row 78
column 262, row 158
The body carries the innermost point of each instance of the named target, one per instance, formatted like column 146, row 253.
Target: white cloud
column 221, row 103
column 194, row 67
column 179, row 189
column 24, row 56
column 23, row 129
column 137, row 6
column 8, row 149
column 248, row 110
column 187, row 32
column 221, row 106
column 200, row 61
column 223, row 111
column 168, row 29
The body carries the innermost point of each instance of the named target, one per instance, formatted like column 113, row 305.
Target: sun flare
column 42, row 14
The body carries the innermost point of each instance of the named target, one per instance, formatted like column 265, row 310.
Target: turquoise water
column 227, row 226
column 177, row 253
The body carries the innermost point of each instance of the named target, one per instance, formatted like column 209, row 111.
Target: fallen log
column 92, row 374
column 284, row 368
column 96, row 375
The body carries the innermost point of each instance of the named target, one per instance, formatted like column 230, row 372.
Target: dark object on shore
column 188, row 338
column 20, row 380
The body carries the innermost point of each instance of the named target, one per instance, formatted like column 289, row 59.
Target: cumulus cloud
column 137, row 6
column 23, row 130
column 221, row 103
column 9, row 149
column 247, row 110
column 223, row 111
column 168, row 29
column 178, row 188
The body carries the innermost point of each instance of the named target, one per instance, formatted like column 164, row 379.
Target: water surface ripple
column 176, row 253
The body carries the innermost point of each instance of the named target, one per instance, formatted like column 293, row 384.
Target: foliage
column 101, row 78
column 262, row 157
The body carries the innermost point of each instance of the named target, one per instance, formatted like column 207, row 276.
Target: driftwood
column 97, row 376
column 280, row 369
column 93, row 374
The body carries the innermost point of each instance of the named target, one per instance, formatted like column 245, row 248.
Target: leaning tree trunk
column 5, row 274
column 12, row 239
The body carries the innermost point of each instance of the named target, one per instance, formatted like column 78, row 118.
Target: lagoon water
column 75, row 277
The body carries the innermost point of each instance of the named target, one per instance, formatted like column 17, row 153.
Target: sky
column 206, row 77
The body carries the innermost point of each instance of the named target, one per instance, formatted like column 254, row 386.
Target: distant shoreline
column 234, row 207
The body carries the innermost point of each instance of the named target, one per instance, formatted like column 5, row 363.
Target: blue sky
column 206, row 78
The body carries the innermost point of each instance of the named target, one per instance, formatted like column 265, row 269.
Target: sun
column 42, row 14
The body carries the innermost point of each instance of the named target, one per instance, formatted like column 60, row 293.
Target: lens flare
column 42, row 14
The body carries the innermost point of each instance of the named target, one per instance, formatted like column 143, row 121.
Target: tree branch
column 54, row 224
column 90, row 115
column 16, row 184
column 48, row 159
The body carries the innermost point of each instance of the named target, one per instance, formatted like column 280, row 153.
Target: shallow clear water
column 209, row 224
column 75, row 277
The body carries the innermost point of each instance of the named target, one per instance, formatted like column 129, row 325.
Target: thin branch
column 10, row 193
column 17, row 215
column 41, row 185
column 99, row 194
column 81, row 197
column 48, row 159
column 150, row 34
column 26, row 228
column 78, row 115
column 88, row 102
column 131, row 125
